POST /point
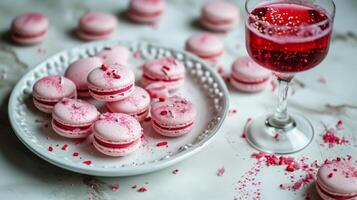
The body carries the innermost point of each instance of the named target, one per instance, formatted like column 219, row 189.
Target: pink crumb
column 339, row 125
column 160, row 144
column 142, row 189
column 64, row 147
column 329, row 137
column 114, row 187
column 87, row 162
column 221, row 171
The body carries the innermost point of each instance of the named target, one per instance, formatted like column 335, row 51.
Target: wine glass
column 286, row 36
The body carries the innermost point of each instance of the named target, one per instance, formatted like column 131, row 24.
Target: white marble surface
column 24, row 175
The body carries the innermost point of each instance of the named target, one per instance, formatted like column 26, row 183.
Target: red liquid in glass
column 288, row 37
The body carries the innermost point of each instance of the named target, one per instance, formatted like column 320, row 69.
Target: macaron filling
column 249, row 82
column 165, row 79
column 47, row 103
column 114, row 145
column 20, row 35
column 335, row 196
column 113, row 92
column 172, row 128
column 96, row 33
column 71, row 128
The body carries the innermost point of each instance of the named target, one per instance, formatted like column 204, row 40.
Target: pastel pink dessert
column 29, row 28
column 114, row 55
column 111, row 83
column 51, row 89
column 136, row 105
column 73, row 118
column 206, row 46
column 146, row 11
column 337, row 180
column 167, row 70
column 117, row 134
column 78, row 72
column 96, row 26
column 248, row 76
column 219, row 16
column 173, row 117
column 158, row 91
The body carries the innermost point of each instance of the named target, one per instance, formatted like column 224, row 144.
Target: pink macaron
column 136, row 105
column 50, row 89
column 78, row 72
column 337, row 180
column 111, row 83
column 96, row 26
column 146, row 11
column 73, row 118
column 173, row 117
column 29, row 28
column 158, row 91
column 117, row 134
column 114, row 55
column 219, row 16
column 167, row 70
column 206, row 46
column 248, row 76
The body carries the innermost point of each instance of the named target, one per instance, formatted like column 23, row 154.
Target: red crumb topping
column 142, row 189
column 244, row 135
column 162, row 99
column 116, row 76
column 87, row 162
column 330, row 175
column 160, row 144
column 164, row 112
column 50, row 148
column 64, row 147
column 165, row 67
column 75, row 154
column 104, row 67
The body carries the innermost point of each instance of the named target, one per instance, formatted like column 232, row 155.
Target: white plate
column 203, row 87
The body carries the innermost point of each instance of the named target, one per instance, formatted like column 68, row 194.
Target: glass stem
column 281, row 119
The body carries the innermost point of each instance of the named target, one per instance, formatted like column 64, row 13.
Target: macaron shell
column 220, row 11
column 71, row 134
column 343, row 181
column 29, row 40
column 115, row 152
column 147, row 6
column 117, row 128
column 96, row 25
column 217, row 27
column 205, row 44
column 157, row 90
column 173, row 85
column 137, row 102
column 75, row 112
column 79, row 70
column 30, row 24
column 114, row 55
column 173, row 133
column 166, row 66
column 245, row 69
column 53, row 87
column 249, row 88
column 175, row 111
column 42, row 107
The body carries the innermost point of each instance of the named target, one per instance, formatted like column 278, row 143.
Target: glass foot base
column 265, row 137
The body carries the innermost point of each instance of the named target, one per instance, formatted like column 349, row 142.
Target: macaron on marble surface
column 158, row 91
column 51, row 89
column 337, row 180
column 167, row 70
column 96, row 26
column 78, row 72
column 219, row 16
column 146, row 11
column 29, row 28
column 173, row 117
column 206, row 46
column 111, row 83
column 117, row 134
column 248, row 76
column 114, row 55
column 136, row 105
column 73, row 118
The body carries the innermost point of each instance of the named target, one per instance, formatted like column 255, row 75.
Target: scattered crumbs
column 87, row 162
column 163, row 143
column 114, row 187
column 64, row 147
column 221, row 171
column 50, row 148
column 244, row 135
column 175, row 171
column 322, row 80
column 133, row 187
column 339, row 125
column 330, row 137
column 75, row 154
column 232, row 111
column 142, row 189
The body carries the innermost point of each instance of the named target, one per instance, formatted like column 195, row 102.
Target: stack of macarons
column 106, row 78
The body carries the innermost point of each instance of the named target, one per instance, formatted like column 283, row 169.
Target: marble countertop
column 325, row 94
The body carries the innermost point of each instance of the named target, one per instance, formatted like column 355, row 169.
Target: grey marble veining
column 24, row 175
